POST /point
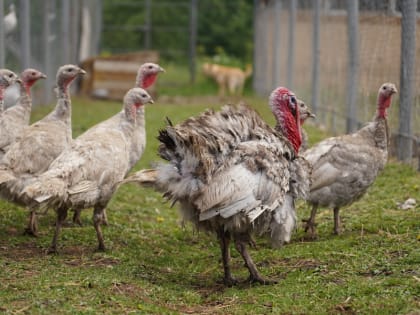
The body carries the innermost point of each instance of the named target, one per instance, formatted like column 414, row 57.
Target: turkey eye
column 10, row 75
column 33, row 73
column 69, row 70
column 293, row 99
column 143, row 95
column 384, row 88
column 150, row 67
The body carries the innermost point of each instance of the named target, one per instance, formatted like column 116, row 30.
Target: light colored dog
column 230, row 78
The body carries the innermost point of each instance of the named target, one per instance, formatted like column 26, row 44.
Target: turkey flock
column 231, row 173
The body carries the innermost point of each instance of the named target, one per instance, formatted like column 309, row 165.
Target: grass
column 153, row 265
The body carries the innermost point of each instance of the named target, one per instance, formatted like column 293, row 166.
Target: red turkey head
column 29, row 77
column 384, row 98
column 284, row 106
column 147, row 74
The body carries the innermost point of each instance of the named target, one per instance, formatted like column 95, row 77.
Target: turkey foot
column 260, row 280
column 254, row 275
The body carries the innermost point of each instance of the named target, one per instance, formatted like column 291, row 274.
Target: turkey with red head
column 234, row 175
column 344, row 167
column 14, row 119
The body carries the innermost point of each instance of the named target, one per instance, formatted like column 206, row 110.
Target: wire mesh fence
column 337, row 63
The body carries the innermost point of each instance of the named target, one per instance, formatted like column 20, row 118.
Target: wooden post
column 25, row 33
column 48, row 84
column 315, row 57
column 2, row 37
column 65, row 31
column 408, row 61
column 193, row 39
column 291, row 43
column 276, row 44
column 353, row 63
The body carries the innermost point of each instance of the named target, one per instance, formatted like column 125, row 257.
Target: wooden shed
column 110, row 77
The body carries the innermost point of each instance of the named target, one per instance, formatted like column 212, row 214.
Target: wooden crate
column 112, row 76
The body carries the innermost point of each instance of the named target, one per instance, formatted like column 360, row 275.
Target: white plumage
column 86, row 174
column 16, row 118
column 39, row 144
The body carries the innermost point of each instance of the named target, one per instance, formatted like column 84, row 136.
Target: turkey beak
column 81, row 71
column 161, row 69
column 18, row 81
column 151, row 101
column 394, row 90
column 312, row 115
column 43, row 76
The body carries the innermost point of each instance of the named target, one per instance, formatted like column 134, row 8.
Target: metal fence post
column 65, row 31
column 47, row 54
column 408, row 56
column 193, row 39
column 291, row 43
column 353, row 63
column 2, row 37
column 148, row 25
column 25, row 33
column 315, row 56
column 276, row 44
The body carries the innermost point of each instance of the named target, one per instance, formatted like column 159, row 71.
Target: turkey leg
column 32, row 228
column 254, row 275
column 61, row 217
column 224, row 239
column 98, row 219
column 337, row 221
column 310, row 223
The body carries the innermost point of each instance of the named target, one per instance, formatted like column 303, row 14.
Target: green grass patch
column 154, row 265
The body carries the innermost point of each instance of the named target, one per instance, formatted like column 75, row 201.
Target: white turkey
column 146, row 77
column 234, row 175
column 16, row 118
column 10, row 20
column 344, row 167
column 7, row 78
column 39, row 144
column 86, row 174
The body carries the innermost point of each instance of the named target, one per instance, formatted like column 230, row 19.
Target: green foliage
column 222, row 25
column 153, row 265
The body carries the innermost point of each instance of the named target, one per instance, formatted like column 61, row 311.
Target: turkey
column 10, row 20
column 7, row 78
column 234, row 175
column 16, row 118
column 304, row 113
column 40, row 143
column 146, row 77
column 344, row 167
column 86, row 174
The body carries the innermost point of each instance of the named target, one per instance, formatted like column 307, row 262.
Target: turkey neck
column 289, row 126
column 145, row 80
column 381, row 131
column 3, row 87
column 62, row 110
